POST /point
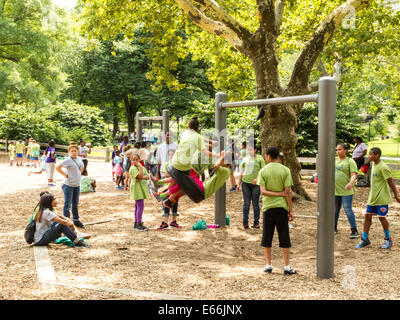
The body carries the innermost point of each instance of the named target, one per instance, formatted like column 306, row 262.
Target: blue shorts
column 381, row 211
column 20, row 155
column 35, row 158
column 28, row 157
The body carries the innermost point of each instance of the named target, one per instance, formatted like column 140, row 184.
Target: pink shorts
column 118, row 169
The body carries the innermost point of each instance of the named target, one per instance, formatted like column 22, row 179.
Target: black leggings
column 276, row 217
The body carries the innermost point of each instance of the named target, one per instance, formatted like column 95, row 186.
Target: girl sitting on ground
column 50, row 226
column 87, row 184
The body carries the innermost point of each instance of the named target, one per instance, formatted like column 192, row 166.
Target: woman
column 50, row 153
column 345, row 177
column 359, row 151
column 50, row 226
column 84, row 151
column 74, row 168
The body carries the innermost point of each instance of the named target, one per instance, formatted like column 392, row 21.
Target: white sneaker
column 268, row 269
column 82, row 235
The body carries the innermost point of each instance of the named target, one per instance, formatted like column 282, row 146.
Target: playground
column 225, row 263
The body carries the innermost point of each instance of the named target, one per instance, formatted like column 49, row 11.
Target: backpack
column 29, row 233
column 362, row 182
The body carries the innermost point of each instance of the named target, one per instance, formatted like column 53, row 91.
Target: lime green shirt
column 86, row 184
column 379, row 194
column 202, row 162
column 274, row 177
column 19, row 147
column 11, row 149
column 29, row 149
column 35, row 150
column 138, row 189
column 343, row 170
column 211, row 185
column 191, row 142
column 243, row 153
column 252, row 166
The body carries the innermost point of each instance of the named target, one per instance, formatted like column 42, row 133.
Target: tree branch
column 279, row 8
column 11, row 44
column 319, row 39
column 235, row 38
column 266, row 15
column 9, row 58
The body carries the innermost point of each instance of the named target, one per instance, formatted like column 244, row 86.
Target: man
column 275, row 181
column 163, row 151
column 379, row 198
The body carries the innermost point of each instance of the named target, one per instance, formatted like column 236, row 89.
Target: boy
column 11, row 153
column 379, row 198
column 19, row 148
column 275, row 181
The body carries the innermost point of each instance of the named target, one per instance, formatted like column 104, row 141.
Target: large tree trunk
column 131, row 109
column 115, row 120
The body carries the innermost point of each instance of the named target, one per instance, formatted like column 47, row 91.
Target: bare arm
column 394, row 189
column 240, row 179
column 352, row 180
column 60, row 170
column 267, row 193
column 288, row 197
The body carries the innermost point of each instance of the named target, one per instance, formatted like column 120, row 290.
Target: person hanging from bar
column 191, row 142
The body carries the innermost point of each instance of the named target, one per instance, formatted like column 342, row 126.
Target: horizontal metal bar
column 271, row 101
column 151, row 118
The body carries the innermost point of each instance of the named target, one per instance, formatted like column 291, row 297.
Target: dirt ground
column 212, row 264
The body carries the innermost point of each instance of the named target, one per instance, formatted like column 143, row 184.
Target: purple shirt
column 123, row 144
column 50, row 151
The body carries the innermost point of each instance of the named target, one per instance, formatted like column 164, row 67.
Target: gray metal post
column 326, row 176
column 165, row 121
column 220, row 127
column 138, row 126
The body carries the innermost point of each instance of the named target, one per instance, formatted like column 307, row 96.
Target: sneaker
column 245, row 226
column 157, row 196
column 363, row 243
column 289, row 271
column 118, row 188
column 268, row 269
column 232, row 189
column 168, row 203
column 256, row 225
column 82, row 243
column 163, row 226
column 82, row 235
column 51, row 184
column 140, row 227
column 79, row 224
column 175, row 225
column 387, row 243
column 354, row 234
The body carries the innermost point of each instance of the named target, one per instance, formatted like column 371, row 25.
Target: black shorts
column 276, row 217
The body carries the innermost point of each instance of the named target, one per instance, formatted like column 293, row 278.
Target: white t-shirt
column 163, row 150
column 44, row 225
column 358, row 151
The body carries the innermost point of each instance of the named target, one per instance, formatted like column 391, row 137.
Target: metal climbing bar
column 139, row 122
column 271, row 101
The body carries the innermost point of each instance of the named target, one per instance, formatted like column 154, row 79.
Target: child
column 11, row 153
column 115, row 149
column 118, row 170
column 87, row 184
column 35, row 152
column 19, row 148
column 42, row 166
column 250, row 167
column 275, row 181
column 29, row 152
column 379, row 198
column 126, row 164
column 49, row 226
column 138, row 190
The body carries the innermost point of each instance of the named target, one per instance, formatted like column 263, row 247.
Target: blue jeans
column 54, row 232
column 71, row 198
column 347, row 202
column 251, row 194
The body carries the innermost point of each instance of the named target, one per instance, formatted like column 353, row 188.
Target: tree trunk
column 115, row 120
column 277, row 127
column 131, row 109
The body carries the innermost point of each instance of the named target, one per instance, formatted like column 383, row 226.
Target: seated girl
column 87, row 184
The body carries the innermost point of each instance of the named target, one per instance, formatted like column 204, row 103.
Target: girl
column 42, row 166
column 50, row 153
column 345, row 177
column 84, row 151
column 126, row 164
column 115, row 149
column 87, row 184
column 118, row 170
column 19, row 148
column 250, row 167
column 139, row 190
column 74, row 167
column 35, row 152
column 49, row 225
column 11, row 153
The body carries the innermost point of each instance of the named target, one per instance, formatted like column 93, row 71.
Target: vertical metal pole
column 165, row 121
column 138, row 126
column 220, row 128
column 326, row 176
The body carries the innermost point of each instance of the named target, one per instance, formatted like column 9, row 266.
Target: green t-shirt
column 86, row 184
column 379, row 194
column 19, row 147
column 35, row 150
column 243, row 153
column 138, row 189
column 202, row 162
column 12, row 150
column 343, row 170
column 191, row 142
column 252, row 167
column 213, row 184
column 274, row 177
column 29, row 149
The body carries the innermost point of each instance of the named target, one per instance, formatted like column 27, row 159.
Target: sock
column 365, row 235
column 387, row 234
column 268, row 266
